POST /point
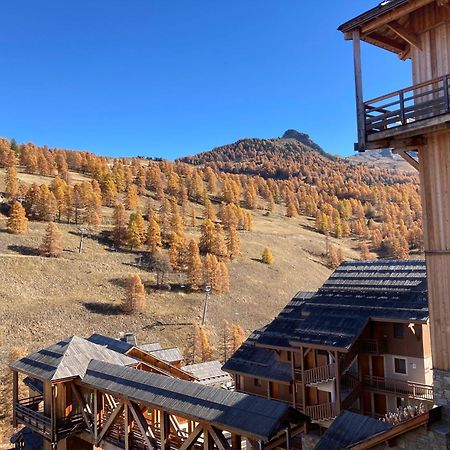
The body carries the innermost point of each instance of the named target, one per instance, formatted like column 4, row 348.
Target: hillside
column 311, row 209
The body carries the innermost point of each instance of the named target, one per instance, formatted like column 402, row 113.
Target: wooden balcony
column 322, row 412
column 29, row 411
column 401, row 388
column 316, row 375
column 405, row 113
column 374, row 346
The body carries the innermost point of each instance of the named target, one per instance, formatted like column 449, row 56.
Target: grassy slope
column 42, row 299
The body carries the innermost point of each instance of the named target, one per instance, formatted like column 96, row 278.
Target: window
column 289, row 356
column 399, row 330
column 400, row 365
column 257, row 382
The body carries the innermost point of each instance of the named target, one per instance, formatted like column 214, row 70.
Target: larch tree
column 17, row 222
column 120, row 225
column 12, row 182
column 132, row 198
column 210, row 270
column 153, row 238
column 136, row 230
column 364, row 253
column 233, row 243
column 135, row 299
column 222, row 278
column 267, row 256
column 207, row 237
column 51, row 244
column 219, row 246
column 236, row 336
column 195, row 266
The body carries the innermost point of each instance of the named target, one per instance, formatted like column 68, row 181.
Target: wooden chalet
column 83, row 395
column 361, row 343
column 415, row 122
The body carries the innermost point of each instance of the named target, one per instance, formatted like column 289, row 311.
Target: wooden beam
column 110, row 421
column 410, row 37
column 236, row 441
column 395, row 14
column 84, row 410
column 95, row 415
column 338, row 383
column 175, row 424
column 144, row 427
column 208, row 442
column 126, row 415
column 385, row 42
column 219, row 438
column 192, row 438
column 413, row 162
column 360, row 113
column 15, row 396
column 165, row 431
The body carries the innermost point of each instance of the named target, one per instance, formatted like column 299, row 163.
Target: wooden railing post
column 360, row 109
column 15, row 396
column 402, row 107
column 446, row 95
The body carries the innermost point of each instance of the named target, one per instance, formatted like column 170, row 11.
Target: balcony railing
column 419, row 102
column 324, row 411
column 316, row 374
column 412, row 390
column 374, row 346
column 29, row 411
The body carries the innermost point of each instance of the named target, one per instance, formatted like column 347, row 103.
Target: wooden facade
column 90, row 404
column 416, row 120
column 326, row 381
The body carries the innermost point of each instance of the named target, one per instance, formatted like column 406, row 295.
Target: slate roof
column 250, row 415
column 355, row 293
column 334, row 316
column 168, row 354
column 258, row 362
column 208, row 373
column 27, row 438
column 68, row 358
column 349, row 429
column 111, row 343
column 150, row 347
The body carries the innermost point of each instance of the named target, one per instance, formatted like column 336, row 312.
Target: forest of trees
column 380, row 207
column 215, row 193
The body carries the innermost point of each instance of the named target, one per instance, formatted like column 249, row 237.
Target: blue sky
column 174, row 77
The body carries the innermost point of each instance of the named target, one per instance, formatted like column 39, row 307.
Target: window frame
column 400, row 358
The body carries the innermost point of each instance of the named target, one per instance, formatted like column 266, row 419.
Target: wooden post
column 338, row 383
column 288, row 438
column 302, row 355
column 95, row 415
column 294, row 395
column 15, row 396
column 360, row 112
column 53, row 413
column 126, row 425
column 165, row 431
column 208, row 442
column 236, row 442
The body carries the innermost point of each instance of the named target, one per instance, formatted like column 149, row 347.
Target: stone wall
column 435, row 438
column 310, row 440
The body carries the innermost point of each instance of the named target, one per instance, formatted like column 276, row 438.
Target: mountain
column 305, row 139
column 384, row 159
